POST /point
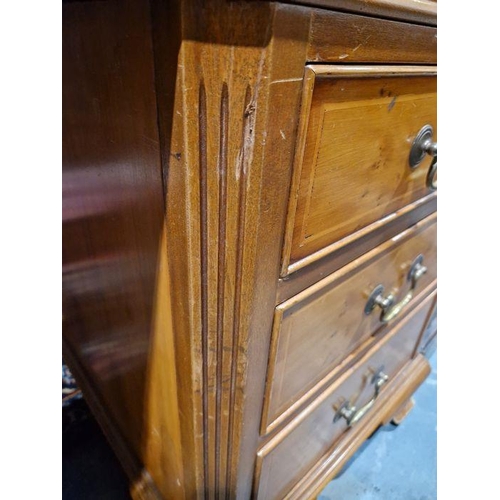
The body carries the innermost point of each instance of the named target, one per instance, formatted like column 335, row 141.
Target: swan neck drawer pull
column 432, row 182
column 386, row 304
column 350, row 413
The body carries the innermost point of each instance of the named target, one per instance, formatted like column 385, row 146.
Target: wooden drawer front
column 285, row 459
column 352, row 158
column 317, row 329
column 430, row 332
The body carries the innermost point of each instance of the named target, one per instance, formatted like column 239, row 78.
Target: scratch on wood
column 286, row 80
column 249, row 110
column 246, row 150
column 392, row 103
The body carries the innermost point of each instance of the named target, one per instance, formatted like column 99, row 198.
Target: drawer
column 352, row 165
column 428, row 340
column 315, row 331
column 286, row 458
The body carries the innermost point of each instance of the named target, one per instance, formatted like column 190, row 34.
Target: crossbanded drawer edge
column 270, row 421
column 312, row 72
column 336, row 389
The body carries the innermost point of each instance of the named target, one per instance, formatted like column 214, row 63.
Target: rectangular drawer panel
column 318, row 328
column 283, row 461
column 352, row 158
column 428, row 340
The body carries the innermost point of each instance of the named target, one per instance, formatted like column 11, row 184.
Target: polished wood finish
column 308, row 396
column 346, row 38
column 112, row 204
column 325, row 323
column 422, row 11
column 225, row 218
column 403, row 411
column 401, row 388
column 428, row 341
column 129, row 460
column 333, row 257
column 181, row 126
column 294, row 451
column 351, row 164
column 162, row 450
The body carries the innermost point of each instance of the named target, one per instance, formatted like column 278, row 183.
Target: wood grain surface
column 352, row 164
column 285, row 459
column 112, row 202
column 318, row 328
column 337, row 37
column 180, row 126
column 396, row 393
column 421, row 11
column 225, row 217
column 329, row 259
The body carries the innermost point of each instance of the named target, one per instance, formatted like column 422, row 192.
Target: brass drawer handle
column 353, row 415
column 424, row 145
column 389, row 309
column 432, row 182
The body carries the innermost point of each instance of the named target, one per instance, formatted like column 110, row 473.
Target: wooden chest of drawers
column 249, row 235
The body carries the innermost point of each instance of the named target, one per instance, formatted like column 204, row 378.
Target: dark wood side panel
column 112, row 201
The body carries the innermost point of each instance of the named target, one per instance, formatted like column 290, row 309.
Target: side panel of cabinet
column 117, row 331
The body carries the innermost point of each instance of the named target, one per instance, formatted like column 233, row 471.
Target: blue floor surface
column 396, row 463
